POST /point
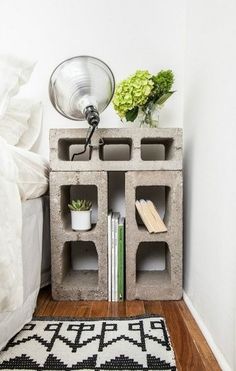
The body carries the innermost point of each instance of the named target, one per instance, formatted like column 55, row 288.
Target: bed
column 24, row 217
column 36, row 265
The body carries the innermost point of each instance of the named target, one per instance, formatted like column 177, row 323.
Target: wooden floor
column 191, row 349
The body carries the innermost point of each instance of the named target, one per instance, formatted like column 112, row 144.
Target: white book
column 112, row 257
column 121, row 266
column 109, row 263
column 116, row 224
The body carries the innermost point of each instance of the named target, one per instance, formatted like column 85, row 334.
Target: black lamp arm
column 92, row 116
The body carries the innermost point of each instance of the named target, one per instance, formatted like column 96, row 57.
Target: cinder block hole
column 67, row 147
column 75, row 192
column 156, row 149
column 116, row 191
column 77, row 148
column 160, row 196
column 115, row 149
column 153, row 152
column 152, row 264
column 80, row 265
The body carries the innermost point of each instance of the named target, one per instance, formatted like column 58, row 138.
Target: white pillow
column 14, row 72
column 34, row 124
column 21, row 123
column 33, row 173
column 15, row 120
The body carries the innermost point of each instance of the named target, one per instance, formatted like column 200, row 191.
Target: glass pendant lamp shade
column 79, row 83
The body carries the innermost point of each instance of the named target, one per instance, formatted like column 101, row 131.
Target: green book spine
column 121, row 262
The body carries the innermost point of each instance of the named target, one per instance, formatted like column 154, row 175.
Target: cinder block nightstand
column 143, row 173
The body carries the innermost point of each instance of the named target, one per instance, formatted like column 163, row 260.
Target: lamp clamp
column 92, row 115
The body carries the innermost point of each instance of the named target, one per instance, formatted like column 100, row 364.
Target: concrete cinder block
column 159, row 285
column 66, row 283
column 134, row 140
column 141, row 171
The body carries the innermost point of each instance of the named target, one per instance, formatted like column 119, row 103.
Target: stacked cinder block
column 155, row 285
column 68, row 284
column 62, row 139
column 139, row 172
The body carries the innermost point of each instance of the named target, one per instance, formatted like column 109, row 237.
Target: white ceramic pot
column 81, row 220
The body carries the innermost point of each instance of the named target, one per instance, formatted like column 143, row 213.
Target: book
column 112, row 257
column 116, row 225
column 109, row 256
column 115, row 256
column 114, row 270
column 150, row 216
column 160, row 225
column 144, row 216
column 121, row 273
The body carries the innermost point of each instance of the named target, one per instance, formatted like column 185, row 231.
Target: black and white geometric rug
column 134, row 343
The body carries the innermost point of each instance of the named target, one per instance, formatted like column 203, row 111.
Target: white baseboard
column 217, row 353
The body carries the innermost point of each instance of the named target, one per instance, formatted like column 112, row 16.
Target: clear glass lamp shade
column 80, row 82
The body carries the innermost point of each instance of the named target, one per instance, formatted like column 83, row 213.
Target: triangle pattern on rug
column 23, row 361
column 121, row 363
column 89, row 363
column 155, row 363
column 53, row 363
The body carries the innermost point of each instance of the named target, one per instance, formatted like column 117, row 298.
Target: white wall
column 126, row 34
column 210, row 170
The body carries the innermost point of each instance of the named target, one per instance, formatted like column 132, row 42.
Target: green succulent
column 80, row 205
column 132, row 92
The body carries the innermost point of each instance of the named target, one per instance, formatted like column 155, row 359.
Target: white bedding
column 32, row 242
column 23, row 175
column 11, row 284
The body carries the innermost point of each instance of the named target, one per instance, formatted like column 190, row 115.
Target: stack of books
column 150, row 216
column 116, row 258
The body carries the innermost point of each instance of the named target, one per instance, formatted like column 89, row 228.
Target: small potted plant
column 80, row 215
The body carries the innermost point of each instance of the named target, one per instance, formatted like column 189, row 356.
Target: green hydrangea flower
column 132, row 92
column 163, row 82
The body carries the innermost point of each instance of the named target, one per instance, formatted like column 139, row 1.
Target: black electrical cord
column 87, row 142
column 92, row 116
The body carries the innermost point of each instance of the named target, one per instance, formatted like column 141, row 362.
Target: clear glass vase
column 150, row 117
column 147, row 118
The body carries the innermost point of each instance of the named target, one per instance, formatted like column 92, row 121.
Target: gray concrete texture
column 91, row 285
column 161, row 285
column 66, row 283
column 130, row 141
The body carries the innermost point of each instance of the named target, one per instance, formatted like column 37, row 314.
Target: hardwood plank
column 42, row 301
column 153, row 307
column 83, row 311
column 201, row 344
column 40, row 306
column 49, row 309
column 187, row 355
column 134, row 308
column 117, row 309
column 99, row 309
column 65, row 309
